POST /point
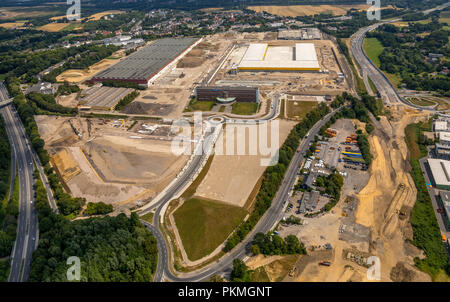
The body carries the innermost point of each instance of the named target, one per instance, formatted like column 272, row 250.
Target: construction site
column 371, row 218
column 125, row 158
column 121, row 162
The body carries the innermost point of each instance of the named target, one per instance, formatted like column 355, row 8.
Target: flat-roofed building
column 309, row 201
column 444, row 138
column 440, row 125
column 442, row 151
column 263, row 57
column 227, row 93
column 146, row 65
column 102, row 98
column 440, row 170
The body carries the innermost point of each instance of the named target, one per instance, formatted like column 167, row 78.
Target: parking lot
column 340, row 152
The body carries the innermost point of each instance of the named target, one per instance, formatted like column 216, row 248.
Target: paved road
column 27, row 229
column 266, row 223
column 23, row 155
column 387, row 91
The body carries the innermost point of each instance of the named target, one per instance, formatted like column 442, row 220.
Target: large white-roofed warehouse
column 147, row 64
column 440, row 170
column 264, row 57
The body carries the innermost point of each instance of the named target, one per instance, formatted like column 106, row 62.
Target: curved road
column 266, row 223
column 387, row 91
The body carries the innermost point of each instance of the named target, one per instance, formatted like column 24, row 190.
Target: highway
column 24, row 160
column 27, row 228
column 387, row 91
column 266, row 223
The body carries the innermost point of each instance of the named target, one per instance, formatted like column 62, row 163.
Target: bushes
column 364, row 146
column 273, row 176
column 5, row 165
column 67, row 89
column 47, row 102
column 126, row 100
column 8, row 227
column 99, row 208
column 275, row 245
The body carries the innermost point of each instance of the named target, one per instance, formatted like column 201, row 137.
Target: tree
column 255, row 249
column 240, row 271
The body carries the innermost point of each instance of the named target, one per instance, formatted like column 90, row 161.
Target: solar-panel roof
column 148, row 61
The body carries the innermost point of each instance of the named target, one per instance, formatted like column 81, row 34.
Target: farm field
column 10, row 25
column 204, row 219
column 53, row 27
column 307, row 10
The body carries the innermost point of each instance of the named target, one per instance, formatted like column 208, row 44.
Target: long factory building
column 263, row 57
column 147, row 64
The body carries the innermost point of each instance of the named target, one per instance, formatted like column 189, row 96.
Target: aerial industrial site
column 226, row 144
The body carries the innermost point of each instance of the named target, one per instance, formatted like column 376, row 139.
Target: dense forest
column 110, row 248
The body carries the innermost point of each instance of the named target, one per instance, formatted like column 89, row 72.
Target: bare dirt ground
column 231, row 178
column 68, row 100
column 374, row 222
column 102, row 161
column 294, row 83
column 81, row 75
column 10, row 25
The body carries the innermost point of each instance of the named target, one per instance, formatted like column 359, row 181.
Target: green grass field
column 203, row 225
column 373, row 49
column 244, row 108
column 195, row 105
column 299, row 109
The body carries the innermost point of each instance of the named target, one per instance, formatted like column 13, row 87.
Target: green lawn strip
column 421, row 102
column 203, row 225
column 244, row 108
column 373, row 48
column 196, row 105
